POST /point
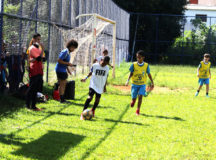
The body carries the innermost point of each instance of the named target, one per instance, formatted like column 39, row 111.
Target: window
column 193, row 1
column 203, row 17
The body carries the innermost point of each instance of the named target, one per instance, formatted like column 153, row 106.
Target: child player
column 204, row 74
column 99, row 73
column 98, row 59
column 138, row 72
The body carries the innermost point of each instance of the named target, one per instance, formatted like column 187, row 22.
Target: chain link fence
column 173, row 39
column 20, row 19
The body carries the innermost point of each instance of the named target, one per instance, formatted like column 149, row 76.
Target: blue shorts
column 138, row 90
column 203, row 81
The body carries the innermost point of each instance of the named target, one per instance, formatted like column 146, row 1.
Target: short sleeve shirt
column 99, row 77
column 65, row 56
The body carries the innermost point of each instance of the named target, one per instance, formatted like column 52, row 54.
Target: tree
column 154, row 28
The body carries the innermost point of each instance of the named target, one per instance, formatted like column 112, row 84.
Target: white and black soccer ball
column 87, row 114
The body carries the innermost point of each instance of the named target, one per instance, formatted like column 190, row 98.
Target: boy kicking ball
column 99, row 73
column 204, row 74
column 138, row 72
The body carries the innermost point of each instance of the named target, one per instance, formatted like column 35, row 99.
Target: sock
column 198, row 91
column 95, row 106
column 62, row 98
column 207, row 93
column 86, row 104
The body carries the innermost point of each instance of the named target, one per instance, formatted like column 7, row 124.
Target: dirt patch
column 123, row 88
column 155, row 90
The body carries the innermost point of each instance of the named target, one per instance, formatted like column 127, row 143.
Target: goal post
column 94, row 36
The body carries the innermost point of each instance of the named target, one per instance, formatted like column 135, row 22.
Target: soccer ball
column 87, row 114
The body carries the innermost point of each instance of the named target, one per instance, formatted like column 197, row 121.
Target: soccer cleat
column 196, row 94
column 207, row 96
column 81, row 117
column 132, row 103
column 146, row 94
column 137, row 112
column 93, row 112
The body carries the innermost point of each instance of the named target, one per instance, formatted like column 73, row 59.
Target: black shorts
column 92, row 92
column 62, row 75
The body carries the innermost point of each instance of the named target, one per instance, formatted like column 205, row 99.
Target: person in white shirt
column 99, row 73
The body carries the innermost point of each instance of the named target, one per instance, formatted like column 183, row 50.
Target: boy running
column 204, row 74
column 138, row 72
column 99, row 73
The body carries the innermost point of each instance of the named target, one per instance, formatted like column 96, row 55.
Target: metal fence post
column 134, row 41
column 156, row 39
column 1, row 25
column 183, row 42
column 70, row 3
column 36, row 16
column 61, row 24
column 49, row 27
column 21, row 26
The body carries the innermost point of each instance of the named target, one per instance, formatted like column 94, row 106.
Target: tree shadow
column 163, row 117
column 52, row 145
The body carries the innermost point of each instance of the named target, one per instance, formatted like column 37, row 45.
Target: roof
column 200, row 7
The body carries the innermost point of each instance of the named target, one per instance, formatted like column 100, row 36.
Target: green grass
column 173, row 123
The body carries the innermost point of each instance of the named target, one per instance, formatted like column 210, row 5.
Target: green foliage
column 11, row 31
column 11, row 8
column 152, row 28
column 194, row 43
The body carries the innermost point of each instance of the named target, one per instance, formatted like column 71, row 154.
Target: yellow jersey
column 204, row 70
column 140, row 74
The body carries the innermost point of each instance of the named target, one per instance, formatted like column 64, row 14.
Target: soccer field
column 173, row 123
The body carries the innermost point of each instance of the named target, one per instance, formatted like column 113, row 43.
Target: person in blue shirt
column 62, row 67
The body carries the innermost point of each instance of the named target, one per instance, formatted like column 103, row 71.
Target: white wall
column 207, row 2
column 211, row 20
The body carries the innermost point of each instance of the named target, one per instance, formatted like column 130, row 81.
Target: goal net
column 94, row 35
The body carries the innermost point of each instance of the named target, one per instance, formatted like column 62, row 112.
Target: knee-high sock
column 87, row 103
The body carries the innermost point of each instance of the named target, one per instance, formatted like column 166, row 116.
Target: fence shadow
column 91, row 149
column 163, row 117
column 52, row 145
column 9, row 105
column 126, row 122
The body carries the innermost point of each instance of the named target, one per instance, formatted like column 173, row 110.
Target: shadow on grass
column 39, row 121
column 163, row 117
column 126, row 122
column 63, row 114
column 52, row 145
column 9, row 105
column 92, row 148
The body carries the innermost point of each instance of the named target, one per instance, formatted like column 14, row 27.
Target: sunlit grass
column 173, row 123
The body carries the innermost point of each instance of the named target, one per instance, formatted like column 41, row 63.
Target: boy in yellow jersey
column 138, row 72
column 204, row 73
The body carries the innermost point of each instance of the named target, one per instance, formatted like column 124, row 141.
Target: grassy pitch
column 173, row 123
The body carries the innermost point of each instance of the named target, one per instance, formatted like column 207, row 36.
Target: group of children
column 139, row 71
